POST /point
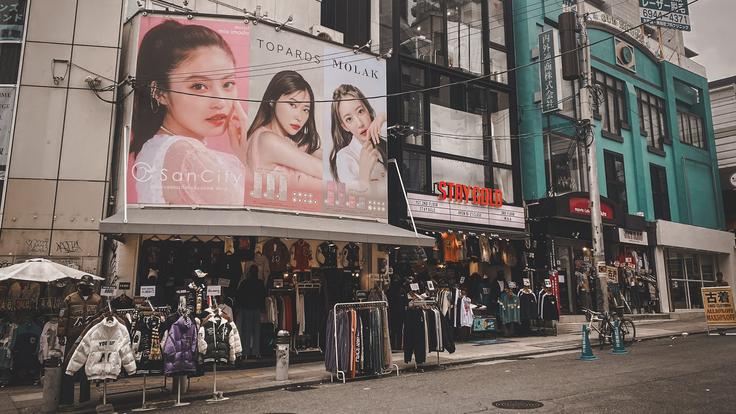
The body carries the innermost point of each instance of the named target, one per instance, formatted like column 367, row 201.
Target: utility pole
column 586, row 128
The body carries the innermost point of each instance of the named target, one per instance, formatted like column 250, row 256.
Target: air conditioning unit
column 326, row 33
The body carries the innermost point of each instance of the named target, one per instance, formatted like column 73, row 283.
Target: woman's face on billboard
column 292, row 111
column 355, row 118
column 202, row 86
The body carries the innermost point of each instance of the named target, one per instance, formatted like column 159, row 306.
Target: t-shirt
column 277, row 254
column 302, row 253
column 351, row 255
column 451, row 247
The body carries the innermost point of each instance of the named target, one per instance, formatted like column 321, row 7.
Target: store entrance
column 573, row 261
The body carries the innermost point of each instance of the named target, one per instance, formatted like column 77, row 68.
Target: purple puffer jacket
column 180, row 347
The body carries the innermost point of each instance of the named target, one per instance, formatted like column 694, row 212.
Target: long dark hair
column 340, row 137
column 284, row 83
column 163, row 48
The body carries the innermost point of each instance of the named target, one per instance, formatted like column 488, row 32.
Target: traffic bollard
column 587, row 354
column 618, row 342
column 51, row 385
column 282, row 355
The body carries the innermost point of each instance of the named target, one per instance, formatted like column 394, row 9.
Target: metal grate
column 517, row 404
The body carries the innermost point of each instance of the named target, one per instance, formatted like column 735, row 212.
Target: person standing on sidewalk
column 251, row 302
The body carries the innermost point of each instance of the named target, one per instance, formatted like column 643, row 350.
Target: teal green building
column 657, row 168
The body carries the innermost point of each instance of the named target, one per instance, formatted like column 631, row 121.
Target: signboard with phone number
column 671, row 14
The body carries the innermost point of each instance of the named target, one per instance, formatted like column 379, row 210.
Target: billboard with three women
column 228, row 114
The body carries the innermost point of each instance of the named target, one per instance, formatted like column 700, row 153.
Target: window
column 687, row 273
column 444, row 169
column 456, row 33
column 414, row 172
column 351, row 18
column 610, row 105
column 565, row 165
column 464, row 35
column 691, row 128
column 9, row 63
column 660, row 195
column 651, row 118
column 615, row 177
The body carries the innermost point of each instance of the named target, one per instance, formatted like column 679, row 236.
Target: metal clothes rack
column 299, row 287
column 355, row 305
column 417, row 303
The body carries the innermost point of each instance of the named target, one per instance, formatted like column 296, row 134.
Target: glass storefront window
column 412, row 107
column 496, row 21
column 450, row 122
column 444, row 169
column 414, row 171
column 423, row 31
column 687, row 272
column 503, row 179
column 464, row 35
column 564, row 165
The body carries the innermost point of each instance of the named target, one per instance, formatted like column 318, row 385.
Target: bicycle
column 602, row 323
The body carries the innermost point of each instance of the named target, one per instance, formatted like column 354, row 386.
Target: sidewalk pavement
column 125, row 394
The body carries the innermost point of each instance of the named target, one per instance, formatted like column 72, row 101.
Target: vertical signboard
column 548, row 72
column 7, row 99
column 671, row 14
column 12, row 18
column 719, row 306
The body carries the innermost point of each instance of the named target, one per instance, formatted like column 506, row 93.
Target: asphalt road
column 691, row 375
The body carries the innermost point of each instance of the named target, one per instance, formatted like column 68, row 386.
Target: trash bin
column 282, row 355
column 51, row 385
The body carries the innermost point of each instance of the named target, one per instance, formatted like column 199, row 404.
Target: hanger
column 155, row 238
column 194, row 239
column 216, row 238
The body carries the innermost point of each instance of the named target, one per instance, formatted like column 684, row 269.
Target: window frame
column 652, row 105
column 581, row 160
column 660, row 194
column 618, row 184
column 683, row 114
column 615, row 98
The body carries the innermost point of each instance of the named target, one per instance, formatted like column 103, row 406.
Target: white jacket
column 102, row 351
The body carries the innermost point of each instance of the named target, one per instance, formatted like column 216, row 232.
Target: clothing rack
column 419, row 303
column 356, row 306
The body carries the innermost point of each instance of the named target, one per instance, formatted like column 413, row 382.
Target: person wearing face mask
column 79, row 308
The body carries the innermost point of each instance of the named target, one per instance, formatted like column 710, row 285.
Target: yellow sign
column 612, row 273
column 719, row 306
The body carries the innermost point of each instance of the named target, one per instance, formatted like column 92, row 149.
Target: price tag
column 215, row 290
column 124, row 285
column 430, row 285
column 107, row 291
column 223, row 282
column 414, row 286
column 148, row 291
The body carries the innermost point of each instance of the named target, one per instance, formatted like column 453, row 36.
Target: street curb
column 317, row 381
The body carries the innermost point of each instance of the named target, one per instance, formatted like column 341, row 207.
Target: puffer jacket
column 102, row 351
column 147, row 344
column 180, row 347
column 76, row 314
column 219, row 340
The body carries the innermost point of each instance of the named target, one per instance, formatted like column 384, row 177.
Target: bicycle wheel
column 628, row 331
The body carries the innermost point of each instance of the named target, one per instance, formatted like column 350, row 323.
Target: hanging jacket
column 510, row 311
column 527, row 305
column 180, row 347
column 219, row 340
column 549, row 308
column 49, row 342
column 147, row 335
column 76, row 314
column 102, row 351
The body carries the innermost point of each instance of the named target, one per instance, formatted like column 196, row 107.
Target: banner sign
column 547, row 72
column 249, row 120
column 12, row 19
column 719, row 306
column 672, row 14
column 7, row 99
column 430, row 207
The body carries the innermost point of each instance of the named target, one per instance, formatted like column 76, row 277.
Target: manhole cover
column 517, row 404
column 295, row 388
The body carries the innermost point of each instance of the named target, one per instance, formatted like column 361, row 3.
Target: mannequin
column 79, row 308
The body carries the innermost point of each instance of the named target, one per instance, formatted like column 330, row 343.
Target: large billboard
column 233, row 115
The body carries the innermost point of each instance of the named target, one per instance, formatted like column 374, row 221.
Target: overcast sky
column 713, row 36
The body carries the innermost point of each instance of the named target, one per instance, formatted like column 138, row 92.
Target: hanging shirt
column 466, row 313
column 277, row 254
column 485, row 249
column 301, row 251
column 351, row 255
column 451, row 247
column 328, row 250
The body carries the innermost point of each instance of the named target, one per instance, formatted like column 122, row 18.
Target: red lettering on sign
column 462, row 193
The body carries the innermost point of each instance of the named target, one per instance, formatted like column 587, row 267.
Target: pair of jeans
column 250, row 331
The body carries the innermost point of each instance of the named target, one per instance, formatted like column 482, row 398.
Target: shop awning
column 512, row 234
column 258, row 223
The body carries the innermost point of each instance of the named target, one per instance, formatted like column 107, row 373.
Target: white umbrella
column 41, row 270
